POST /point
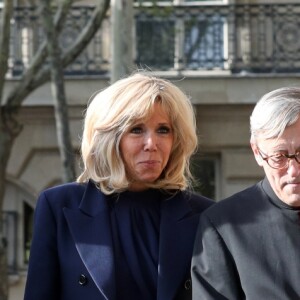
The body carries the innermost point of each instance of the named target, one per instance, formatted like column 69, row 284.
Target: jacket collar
column 177, row 231
column 96, row 247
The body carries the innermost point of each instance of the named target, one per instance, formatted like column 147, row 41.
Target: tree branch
column 41, row 77
column 24, row 86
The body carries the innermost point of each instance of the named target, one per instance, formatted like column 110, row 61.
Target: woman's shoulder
column 66, row 188
column 67, row 194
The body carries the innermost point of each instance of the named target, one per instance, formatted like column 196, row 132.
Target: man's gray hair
column 274, row 112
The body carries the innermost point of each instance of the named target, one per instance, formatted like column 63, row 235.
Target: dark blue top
column 135, row 219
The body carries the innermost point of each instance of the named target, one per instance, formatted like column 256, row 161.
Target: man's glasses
column 279, row 160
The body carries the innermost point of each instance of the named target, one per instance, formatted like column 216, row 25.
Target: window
column 155, row 43
column 205, row 171
column 28, row 226
column 10, row 226
column 10, row 219
column 204, row 40
column 186, row 36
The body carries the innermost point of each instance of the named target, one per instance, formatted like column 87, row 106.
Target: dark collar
column 291, row 212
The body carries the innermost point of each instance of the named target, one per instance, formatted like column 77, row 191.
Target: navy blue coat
column 72, row 255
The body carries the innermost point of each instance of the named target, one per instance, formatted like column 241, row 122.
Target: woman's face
column 146, row 148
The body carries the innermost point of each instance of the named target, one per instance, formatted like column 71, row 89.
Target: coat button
column 188, row 284
column 82, row 280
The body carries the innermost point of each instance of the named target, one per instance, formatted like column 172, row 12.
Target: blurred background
column 225, row 54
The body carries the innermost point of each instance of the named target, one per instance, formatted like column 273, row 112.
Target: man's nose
column 293, row 167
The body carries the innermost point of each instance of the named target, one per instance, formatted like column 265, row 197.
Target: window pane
column 204, row 171
column 28, row 224
column 204, row 42
column 168, row 38
column 155, row 43
column 10, row 233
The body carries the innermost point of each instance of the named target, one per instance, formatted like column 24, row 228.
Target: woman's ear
column 257, row 156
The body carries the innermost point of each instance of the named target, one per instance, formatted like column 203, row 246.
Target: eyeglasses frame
column 288, row 156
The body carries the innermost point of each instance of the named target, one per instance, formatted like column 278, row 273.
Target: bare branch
column 87, row 33
column 24, row 86
column 59, row 95
column 16, row 98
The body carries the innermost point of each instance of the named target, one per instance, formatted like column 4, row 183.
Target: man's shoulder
column 246, row 200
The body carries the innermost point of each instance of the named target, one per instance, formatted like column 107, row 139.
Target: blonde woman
column 126, row 229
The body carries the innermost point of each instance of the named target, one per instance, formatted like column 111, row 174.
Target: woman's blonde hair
column 113, row 110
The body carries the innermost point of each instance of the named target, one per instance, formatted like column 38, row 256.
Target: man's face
column 286, row 181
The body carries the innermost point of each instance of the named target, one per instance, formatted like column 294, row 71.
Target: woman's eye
column 164, row 129
column 136, row 130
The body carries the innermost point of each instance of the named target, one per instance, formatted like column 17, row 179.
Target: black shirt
column 135, row 218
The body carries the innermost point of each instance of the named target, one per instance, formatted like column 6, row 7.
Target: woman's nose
column 150, row 142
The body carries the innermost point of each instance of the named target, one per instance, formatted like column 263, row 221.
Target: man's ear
column 257, row 156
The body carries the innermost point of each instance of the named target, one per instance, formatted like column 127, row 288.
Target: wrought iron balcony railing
column 260, row 38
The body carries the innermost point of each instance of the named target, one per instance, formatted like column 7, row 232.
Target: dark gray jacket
column 248, row 247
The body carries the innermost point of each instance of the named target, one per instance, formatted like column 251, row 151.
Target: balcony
column 241, row 38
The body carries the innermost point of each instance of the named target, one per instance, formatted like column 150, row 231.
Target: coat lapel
column 178, row 226
column 90, row 228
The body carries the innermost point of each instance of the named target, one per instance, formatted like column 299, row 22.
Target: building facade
column 224, row 54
